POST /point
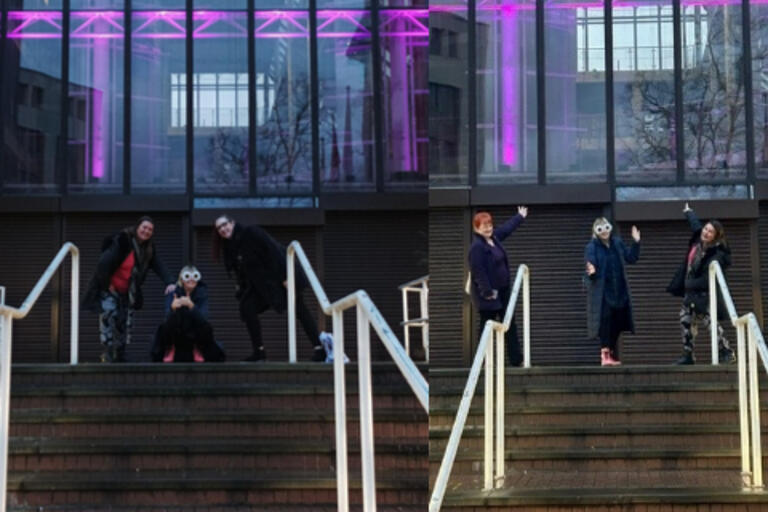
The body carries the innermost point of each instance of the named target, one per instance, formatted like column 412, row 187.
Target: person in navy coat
column 609, row 304
column 489, row 266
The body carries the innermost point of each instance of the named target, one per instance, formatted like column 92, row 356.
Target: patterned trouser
column 115, row 321
column 689, row 319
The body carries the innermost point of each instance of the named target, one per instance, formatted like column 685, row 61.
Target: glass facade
column 646, row 92
column 212, row 98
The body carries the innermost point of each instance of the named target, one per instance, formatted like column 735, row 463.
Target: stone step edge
column 123, row 390
column 593, row 369
column 226, row 367
column 594, row 389
column 478, row 430
column 568, row 453
column 478, row 410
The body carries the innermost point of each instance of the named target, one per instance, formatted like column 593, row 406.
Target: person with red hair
column 490, row 282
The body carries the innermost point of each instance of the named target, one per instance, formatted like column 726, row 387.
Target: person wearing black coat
column 259, row 264
column 114, row 290
column 609, row 303
column 186, row 335
column 489, row 267
column 691, row 282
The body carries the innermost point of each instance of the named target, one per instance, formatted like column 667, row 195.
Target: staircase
column 630, row 438
column 206, row 437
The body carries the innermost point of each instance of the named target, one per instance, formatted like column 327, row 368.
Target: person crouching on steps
column 489, row 267
column 691, row 281
column 186, row 335
column 259, row 264
column 609, row 305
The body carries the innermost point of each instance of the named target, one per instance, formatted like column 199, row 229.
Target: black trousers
column 612, row 322
column 514, row 355
column 251, row 307
column 185, row 331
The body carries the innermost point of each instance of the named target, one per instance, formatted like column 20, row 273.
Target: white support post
column 340, row 405
column 6, row 324
column 741, row 346
column 366, row 409
column 488, row 459
column 500, row 432
column 406, row 318
column 424, row 303
column 291, row 307
column 713, row 314
column 754, row 405
column 526, row 319
column 74, row 325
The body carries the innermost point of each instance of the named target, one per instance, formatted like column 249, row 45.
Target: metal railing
column 368, row 316
column 749, row 343
column 485, row 352
column 420, row 286
column 7, row 314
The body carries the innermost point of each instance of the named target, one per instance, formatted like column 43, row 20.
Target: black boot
column 686, row 358
column 259, row 354
column 319, row 355
column 727, row 356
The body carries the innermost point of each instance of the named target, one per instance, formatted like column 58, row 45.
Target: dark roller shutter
column 229, row 330
column 88, row 231
column 376, row 252
column 28, row 243
column 448, row 241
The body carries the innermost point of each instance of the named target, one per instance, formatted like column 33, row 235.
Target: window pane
column 644, row 94
column 34, row 4
column 222, row 4
column 448, row 99
column 158, row 102
column 96, row 4
column 96, row 60
column 283, row 103
column 346, row 100
column 575, row 92
column 759, row 32
column 713, row 95
column 221, row 137
column 31, row 95
column 506, row 92
column 327, row 4
column 404, row 36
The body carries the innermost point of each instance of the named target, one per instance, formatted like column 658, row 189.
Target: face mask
column 603, row 228
column 194, row 276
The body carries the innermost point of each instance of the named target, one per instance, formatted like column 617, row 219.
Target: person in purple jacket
column 490, row 284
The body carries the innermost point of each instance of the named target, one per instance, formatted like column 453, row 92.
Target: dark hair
column 144, row 218
column 719, row 232
column 216, row 246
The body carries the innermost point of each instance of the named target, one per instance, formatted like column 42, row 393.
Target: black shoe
column 106, row 356
column 686, row 358
column 119, row 355
column 727, row 356
column 319, row 354
column 258, row 355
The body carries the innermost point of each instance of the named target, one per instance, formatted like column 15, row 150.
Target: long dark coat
column 484, row 268
column 693, row 286
column 259, row 263
column 595, row 253
column 112, row 256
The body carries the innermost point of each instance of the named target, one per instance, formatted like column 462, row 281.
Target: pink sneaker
column 606, row 359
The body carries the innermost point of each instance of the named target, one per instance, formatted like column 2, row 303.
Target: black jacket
column 199, row 297
column 259, row 263
column 113, row 254
column 693, row 285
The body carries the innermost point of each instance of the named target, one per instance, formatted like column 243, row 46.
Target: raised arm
column 512, row 224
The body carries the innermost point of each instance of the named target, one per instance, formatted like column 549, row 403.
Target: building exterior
column 583, row 109
column 305, row 116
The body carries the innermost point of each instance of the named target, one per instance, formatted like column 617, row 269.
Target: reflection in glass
column 713, row 92
column 95, row 147
column 158, row 102
column 220, row 99
column 404, row 40
column 96, row 4
column 30, row 92
column 346, row 100
column 34, row 4
column 575, row 91
column 759, row 35
column 283, row 102
column 448, row 99
column 506, row 91
column 643, row 75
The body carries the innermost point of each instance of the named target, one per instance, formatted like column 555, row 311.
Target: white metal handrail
column 420, row 286
column 7, row 314
column 749, row 343
column 485, row 352
column 368, row 316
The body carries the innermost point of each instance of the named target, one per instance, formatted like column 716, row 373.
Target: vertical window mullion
column 749, row 104
column 678, row 73
column 610, row 129
column 127, row 46
column 62, row 165
column 314, row 97
column 251, row 24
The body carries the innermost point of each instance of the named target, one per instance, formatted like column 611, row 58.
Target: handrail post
column 500, row 432
column 746, row 472
column 74, row 323
column 713, row 313
column 406, row 318
column 291, row 271
column 366, row 409
column 488, row 459
column 424, row 303
column 526, row 318
column 340, row 405
column 6, row 324
column 754, row 404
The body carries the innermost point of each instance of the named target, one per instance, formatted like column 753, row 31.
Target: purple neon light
column 282, row 24
column 510, row 68
column 409, row 23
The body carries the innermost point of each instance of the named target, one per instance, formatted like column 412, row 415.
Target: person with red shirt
column 115, row 288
